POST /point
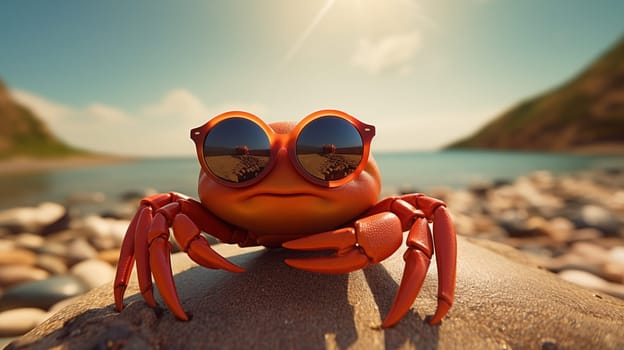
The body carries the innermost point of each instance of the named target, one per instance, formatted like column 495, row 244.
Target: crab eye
column 329, row 148
column 236, row 150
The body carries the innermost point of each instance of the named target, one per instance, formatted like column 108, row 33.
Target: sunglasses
column 328, row 148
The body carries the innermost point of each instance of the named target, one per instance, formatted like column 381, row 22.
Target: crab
column 264, row 184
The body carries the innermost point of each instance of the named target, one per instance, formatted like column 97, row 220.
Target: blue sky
column 132, row 77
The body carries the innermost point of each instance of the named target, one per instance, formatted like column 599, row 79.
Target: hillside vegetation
column 586, row 113
column 22, row 134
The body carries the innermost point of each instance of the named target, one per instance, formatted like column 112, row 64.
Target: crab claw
column 371, row 240
column 347, row 258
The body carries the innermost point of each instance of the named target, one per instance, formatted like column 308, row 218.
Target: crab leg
column 188, row 235
column 160, row 264
column 126, row 260
column 417, row 259
column 446, row 259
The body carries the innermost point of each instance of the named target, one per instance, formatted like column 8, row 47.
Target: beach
column 569, row 224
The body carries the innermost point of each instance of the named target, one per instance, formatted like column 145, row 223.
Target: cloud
column 390, row 53
column 47, row 110
column 156, row 128
column 177, row 103
column 102, row 113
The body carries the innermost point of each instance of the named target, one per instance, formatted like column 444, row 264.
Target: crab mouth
column 283, row 195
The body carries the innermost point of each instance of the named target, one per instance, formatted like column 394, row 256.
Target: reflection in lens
column 237, row 150
column 329, row 148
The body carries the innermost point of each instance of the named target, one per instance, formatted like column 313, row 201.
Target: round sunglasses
column 328, row 148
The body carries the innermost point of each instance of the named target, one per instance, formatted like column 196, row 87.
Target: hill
column 22, row 134
column 584, row 114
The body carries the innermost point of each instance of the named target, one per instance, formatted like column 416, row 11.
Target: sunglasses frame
column 366, row 132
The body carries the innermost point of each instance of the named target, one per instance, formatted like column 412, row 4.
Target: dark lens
column 329, row 148
column 237, row 150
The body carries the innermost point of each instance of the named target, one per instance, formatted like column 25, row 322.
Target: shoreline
column 601, row 149
column 23, row 165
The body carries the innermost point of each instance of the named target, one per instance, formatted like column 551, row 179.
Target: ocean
column 418, row 171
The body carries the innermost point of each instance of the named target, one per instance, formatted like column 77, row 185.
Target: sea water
column 415, row 170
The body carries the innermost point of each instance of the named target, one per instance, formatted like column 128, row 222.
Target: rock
column 29, row 241
column 53, row 248
column 599, row 218
column 11, row 275
column 93, row 273
column 78, row 250
column 110, row 256
column 560, row 229
column 105, row 233
column 18, row 257
column 42, row 294
column 44, row 218
column 499, row 303
column 591, row 281
column 592, row 254
column 616, row 255
column 19, row 321
column 6, row 244
column 51, row 263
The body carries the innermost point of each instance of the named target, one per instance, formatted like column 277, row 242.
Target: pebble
column 53, row 248
column 11, row 275
column 599, row 218
column 592, row 281
column 51, row 263
column 110, row 256
column 18, row 257
column 20, row 320
column 6, row 244
column 105, row 229
column 93, row 273
column 32, row 219
column 42, row 294
column 29, row 241
column 78, row 250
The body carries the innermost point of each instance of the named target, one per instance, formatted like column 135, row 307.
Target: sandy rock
column 499, row 304
column 93, row 273
column 19, row 321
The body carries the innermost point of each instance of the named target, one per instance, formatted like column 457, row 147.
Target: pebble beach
column 571, row 225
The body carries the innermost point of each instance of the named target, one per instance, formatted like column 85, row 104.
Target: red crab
column 307, row 186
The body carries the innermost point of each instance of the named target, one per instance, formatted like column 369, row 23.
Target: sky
column 133, row 77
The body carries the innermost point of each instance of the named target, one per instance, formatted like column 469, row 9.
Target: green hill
column 586, row 113
column 23, row 134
